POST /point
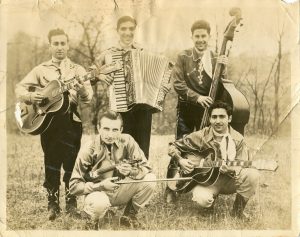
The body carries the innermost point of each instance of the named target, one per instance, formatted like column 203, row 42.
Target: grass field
column 269, row 209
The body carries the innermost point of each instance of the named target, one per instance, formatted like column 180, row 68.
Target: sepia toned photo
column 150, row 117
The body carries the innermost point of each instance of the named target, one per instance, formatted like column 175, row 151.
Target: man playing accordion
column 131, row 87
column 136, row 121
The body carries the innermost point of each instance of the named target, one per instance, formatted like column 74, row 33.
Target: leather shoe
column 131, row 221
column 170, row 196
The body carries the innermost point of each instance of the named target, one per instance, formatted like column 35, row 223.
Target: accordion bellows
column 142, row 81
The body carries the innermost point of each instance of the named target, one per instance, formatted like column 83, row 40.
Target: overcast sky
column 170, row 27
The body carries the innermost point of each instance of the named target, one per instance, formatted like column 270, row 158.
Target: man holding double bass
column 192, row 77
column 61, row 140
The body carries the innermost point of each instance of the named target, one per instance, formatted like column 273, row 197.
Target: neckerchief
column 227, row 145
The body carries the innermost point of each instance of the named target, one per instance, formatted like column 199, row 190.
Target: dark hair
column 55, row 32
column 220, row 105
column 110, row 115
column 125, row 19
column 201, row 24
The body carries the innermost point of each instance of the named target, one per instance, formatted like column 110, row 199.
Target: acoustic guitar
column 207, row 176
column 34, row 118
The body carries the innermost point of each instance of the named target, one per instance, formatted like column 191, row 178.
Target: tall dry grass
column 27, row 204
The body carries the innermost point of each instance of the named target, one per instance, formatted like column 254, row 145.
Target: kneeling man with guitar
column 216, row 158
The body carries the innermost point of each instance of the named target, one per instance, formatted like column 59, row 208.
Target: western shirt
column 192, row 74
column 202, row 140
column 92, row 156
column 48, row 71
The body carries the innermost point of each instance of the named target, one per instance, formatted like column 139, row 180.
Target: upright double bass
column 225, row 90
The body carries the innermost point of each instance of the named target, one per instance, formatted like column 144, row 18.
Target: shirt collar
column 210, row 135
column 216, row 134
column 100, row 143
column 205, row 59
column 48, row 63
column 134, row 45
column 52, row 60
column 196, row 54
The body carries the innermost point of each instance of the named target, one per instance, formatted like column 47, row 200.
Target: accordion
column 142, row 80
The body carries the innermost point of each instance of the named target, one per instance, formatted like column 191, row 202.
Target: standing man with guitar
column 192, row 77
column 112, row 154
column 61, row 139
column 227, row 145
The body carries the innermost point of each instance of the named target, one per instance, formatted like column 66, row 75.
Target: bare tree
column 87, row 51
column 262, row 120
column 277, row 77
column 259, row 89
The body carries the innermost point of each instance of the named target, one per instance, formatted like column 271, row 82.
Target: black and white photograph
column 150, row 117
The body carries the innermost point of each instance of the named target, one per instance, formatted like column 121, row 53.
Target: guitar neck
column 67, row 86
column 105, row 69
column 241, row 163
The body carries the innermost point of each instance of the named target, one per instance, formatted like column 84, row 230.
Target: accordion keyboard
column 119, row 85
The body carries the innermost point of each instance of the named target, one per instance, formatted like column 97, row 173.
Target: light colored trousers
column 97, row 203
column 245, row 183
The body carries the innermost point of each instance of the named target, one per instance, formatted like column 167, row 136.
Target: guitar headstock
column 233, row 24
column 261, row 164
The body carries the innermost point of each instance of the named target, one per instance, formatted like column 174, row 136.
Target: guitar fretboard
column 67, row 86
column 231, row 163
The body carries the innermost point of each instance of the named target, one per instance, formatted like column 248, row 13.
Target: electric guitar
column 35, row 118
column 207, row 176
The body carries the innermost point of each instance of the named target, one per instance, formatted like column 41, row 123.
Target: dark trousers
column 137, row 123
column 60, row 143
column 189, row 119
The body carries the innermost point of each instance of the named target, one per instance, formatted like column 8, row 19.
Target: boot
column 71, row 204
column 238, row 207
column 53, row 203
column 129, row 218
column 170, row 195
